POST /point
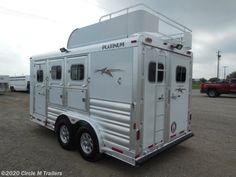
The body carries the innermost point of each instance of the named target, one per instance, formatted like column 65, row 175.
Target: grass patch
column 196, row 86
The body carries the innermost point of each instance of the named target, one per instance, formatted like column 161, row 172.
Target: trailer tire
column 87, row 143
column 65, row 134
column 212, row 93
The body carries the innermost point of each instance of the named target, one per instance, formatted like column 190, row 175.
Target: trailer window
column 56, row 72
column 180, row 74
column 40, row 76
column 152, row 72
column 160, row 75
column 77, row 72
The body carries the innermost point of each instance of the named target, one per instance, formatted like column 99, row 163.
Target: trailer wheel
column 212, row 93
column 87, row 143
column 65, row 134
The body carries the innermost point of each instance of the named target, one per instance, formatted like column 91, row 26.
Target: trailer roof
column 125, row 22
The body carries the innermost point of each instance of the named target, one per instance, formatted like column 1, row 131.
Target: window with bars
column 56, row 72
column 77, row 72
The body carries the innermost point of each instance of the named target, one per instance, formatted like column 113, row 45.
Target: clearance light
column 148, row 40
column 138, row 135
column 177, row 46
column 63, row 49
column 151, row 146
column 188, row 52
column 117, row 150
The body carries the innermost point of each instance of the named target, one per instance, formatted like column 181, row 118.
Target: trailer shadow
column 43, row 132
column 156, row 163
column 228, row 96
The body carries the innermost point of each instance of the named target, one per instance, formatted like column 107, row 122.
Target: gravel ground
column 25, row 146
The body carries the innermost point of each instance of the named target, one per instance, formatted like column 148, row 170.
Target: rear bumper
column 168, row 146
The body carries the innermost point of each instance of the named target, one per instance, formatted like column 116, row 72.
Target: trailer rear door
column 155, row 96
column 179, row 94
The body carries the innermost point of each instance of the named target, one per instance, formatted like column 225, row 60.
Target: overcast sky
column 30, row 27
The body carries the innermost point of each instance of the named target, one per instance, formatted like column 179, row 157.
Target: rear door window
column 180, row 74
column 160, row 74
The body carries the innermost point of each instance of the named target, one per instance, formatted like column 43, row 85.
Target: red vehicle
column 218, row 88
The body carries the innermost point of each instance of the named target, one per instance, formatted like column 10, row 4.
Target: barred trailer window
column 39, row 75
column 56, row 72
column 77, row 72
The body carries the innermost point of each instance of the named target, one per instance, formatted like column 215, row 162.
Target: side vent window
column 77, row 72
column 39, row 75
column 56, row 72
column 180, row 74
column 152, row 72
column 160, row 75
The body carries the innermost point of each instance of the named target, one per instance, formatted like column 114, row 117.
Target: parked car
column 218, row 88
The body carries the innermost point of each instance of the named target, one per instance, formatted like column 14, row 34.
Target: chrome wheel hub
column 64, row 134
column 86, row 143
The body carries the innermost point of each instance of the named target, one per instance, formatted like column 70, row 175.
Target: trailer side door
column 56, row 82
column 40, row 89
column 77, row 83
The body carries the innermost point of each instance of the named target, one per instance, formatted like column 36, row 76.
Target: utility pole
column 218, row 64
column 225, row 71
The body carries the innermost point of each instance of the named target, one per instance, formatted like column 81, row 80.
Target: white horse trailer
column 122, row 87
column 19, row 83
column 4, row 81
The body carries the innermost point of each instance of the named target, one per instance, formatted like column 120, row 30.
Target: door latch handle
column 61, row 96
column 83, row 99
column 161, row 97
column 173, row 96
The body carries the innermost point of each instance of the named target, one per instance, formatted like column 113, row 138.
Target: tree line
column 215, row 79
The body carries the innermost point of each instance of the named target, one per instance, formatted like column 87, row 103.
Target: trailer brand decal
column 107, row 71
column 180, row 90
column 113, row 45
column 173, row 127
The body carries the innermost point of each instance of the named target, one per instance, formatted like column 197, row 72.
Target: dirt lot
column 211, row 153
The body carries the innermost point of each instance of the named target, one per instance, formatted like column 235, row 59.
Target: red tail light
column 117, row 150
column 138, row 135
